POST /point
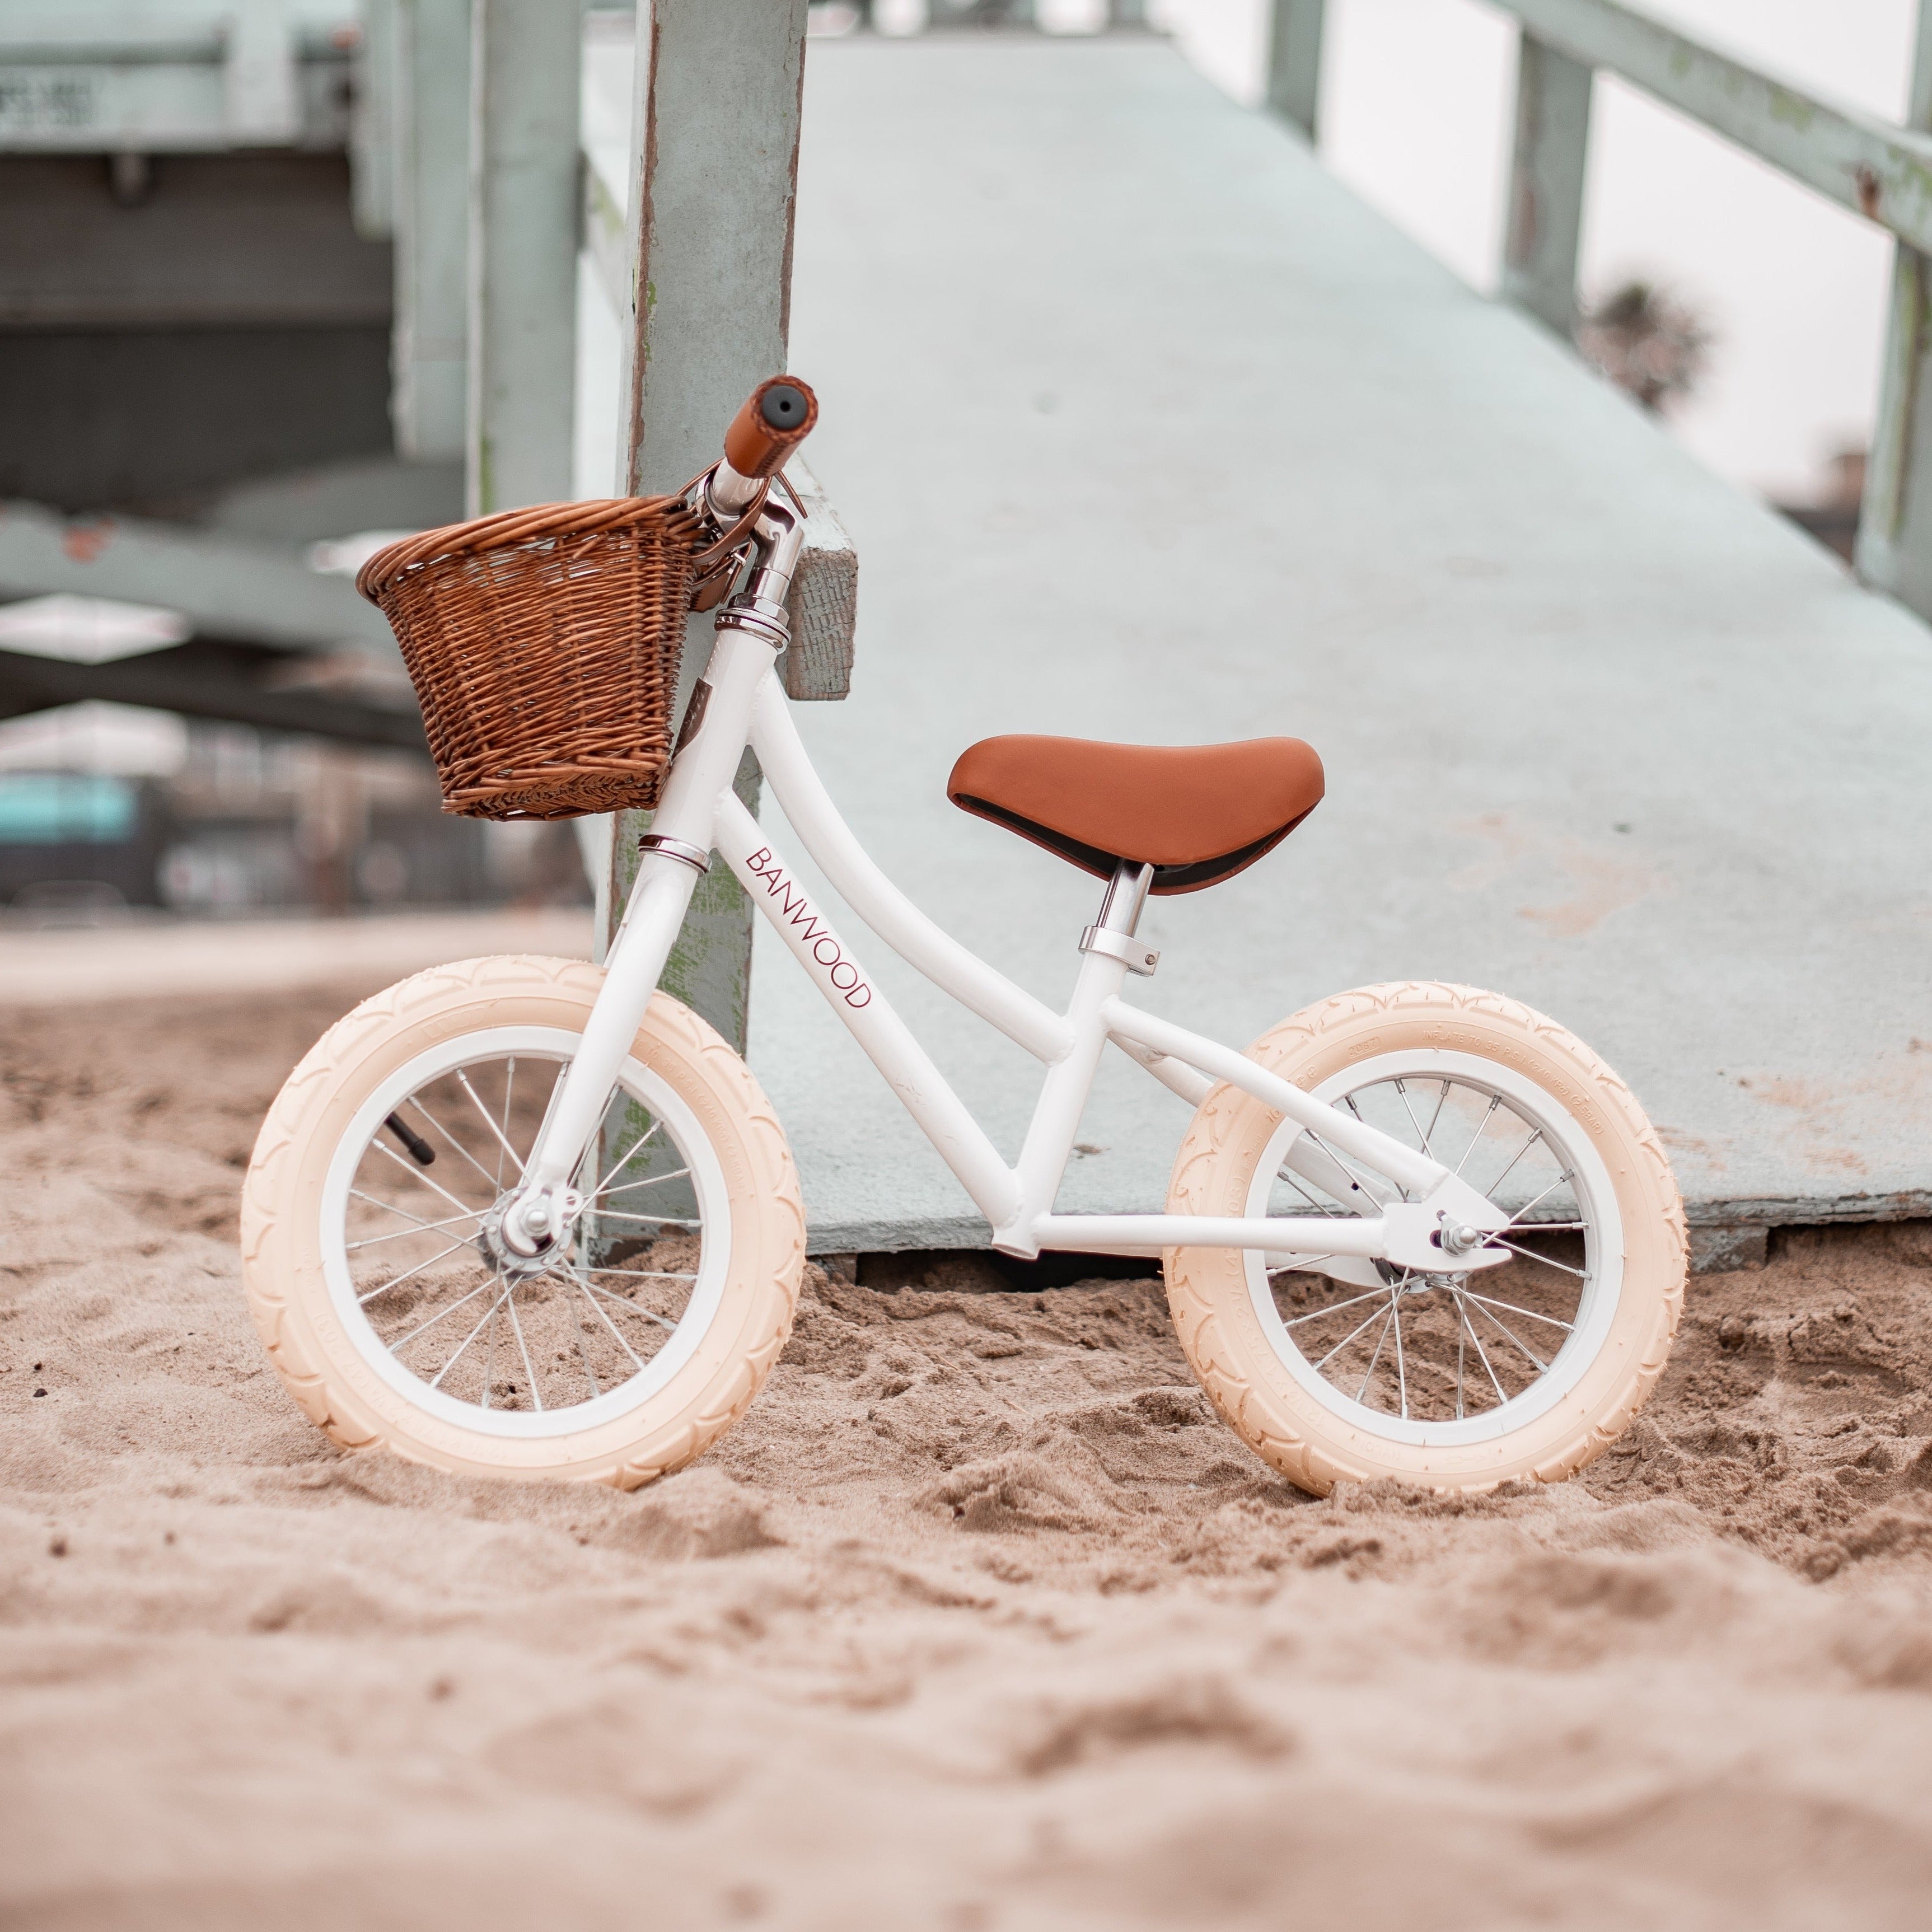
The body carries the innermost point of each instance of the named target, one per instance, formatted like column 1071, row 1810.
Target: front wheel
column 1333, row 1368
column 396, row 1320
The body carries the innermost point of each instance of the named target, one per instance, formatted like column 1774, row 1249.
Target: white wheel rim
column 1603, row 1252
column 542, row 1044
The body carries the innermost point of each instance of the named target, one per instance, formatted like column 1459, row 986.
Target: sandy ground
column 980, row 1620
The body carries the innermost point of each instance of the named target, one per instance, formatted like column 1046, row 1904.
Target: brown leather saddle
column 1197, row 813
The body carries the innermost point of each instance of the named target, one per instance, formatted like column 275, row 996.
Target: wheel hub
column 499, row 1256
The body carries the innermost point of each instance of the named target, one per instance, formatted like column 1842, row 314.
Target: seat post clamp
column 1131, row 952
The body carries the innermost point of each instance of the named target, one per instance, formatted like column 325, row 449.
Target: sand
column 981, row 1619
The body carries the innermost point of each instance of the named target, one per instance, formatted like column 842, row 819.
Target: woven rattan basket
column 543, row 645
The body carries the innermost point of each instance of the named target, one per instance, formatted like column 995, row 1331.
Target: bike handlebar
column 777, row 416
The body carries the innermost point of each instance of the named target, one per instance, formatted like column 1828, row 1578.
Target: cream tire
column 1632, row 1275
column 744, row 1290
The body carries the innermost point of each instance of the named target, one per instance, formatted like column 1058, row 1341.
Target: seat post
column 1126, row 895
column 1120, row 914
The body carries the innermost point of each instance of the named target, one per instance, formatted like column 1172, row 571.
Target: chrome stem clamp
column 681, row 850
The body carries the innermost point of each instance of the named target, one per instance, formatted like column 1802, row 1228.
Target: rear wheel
column 395, row 1317
column 1332, row 1367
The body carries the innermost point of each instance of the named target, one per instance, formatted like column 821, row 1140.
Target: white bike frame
column 1422, row 1210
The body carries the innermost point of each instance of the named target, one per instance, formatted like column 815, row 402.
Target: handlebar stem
column 778, row 537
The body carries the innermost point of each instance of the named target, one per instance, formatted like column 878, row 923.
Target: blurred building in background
column 197, row 324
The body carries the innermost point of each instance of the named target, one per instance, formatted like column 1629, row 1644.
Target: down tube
column 941, row 1114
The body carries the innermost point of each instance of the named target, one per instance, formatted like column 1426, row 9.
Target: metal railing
column 952, row 14
column 1879, row 171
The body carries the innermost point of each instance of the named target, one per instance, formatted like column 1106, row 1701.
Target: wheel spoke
column 402, row 1233
column 1490, row 1301
column 416, row 1101
column 623, row 1161
column 1441, row 1100
column 1495, row 1101
column 523, row 1348
column 1401, row 1366
column 608, row 1322
column 583, row 1355
column 1351, row 1174
column 415, row 1220
column 488, row 1314
column 1531, row 1254
column 649, row 1314
column 1321, row 1207
column 648, row 1274
column 490, row 1359
column 651, row 1180
column 1402, row 1092
column 509, row 1089
column 1380, row 1338
column 389, row 1286
column 1336, row 1307
column 1542, row 1366
column 1458, row 1361
column 503, row 1139
column 1536, row 1134
column 1566, row 1175
column 1347, row 1338
column 396, row 1348
column 416, row 1173
column 1482, row 1354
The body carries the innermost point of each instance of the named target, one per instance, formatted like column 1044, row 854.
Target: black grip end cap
column 784, row 407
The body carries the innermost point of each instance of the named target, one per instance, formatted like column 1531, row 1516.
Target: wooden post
column 1294, row 63
column 526, row 58
column 715, row 172
column 1546, row 189
column 372, row 129
column 1894, row 542
column 432, row 123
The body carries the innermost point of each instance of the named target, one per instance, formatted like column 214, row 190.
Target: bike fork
column 677, row 853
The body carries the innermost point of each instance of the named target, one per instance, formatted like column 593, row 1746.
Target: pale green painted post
column 432, row 199
column 715, row 171
column 1546, row 189
column 1894, row 545
column 526, row 60
column 1295, row 64
column 372, row 124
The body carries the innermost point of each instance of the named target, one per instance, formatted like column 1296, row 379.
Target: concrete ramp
column 1147, row 429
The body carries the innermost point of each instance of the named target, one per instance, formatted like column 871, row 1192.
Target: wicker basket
column 543, row 645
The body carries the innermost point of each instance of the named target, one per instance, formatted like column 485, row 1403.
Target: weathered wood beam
column 825, row 588
column 527, row 56
column 1546, row 190
column 1294, row 63
column 714, row 174
column 186, row 681
column 225, row 586
column 1894, row 551
column 432, row 201
column 372, row 123
column 1852, row 158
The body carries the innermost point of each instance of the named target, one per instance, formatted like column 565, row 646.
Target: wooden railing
column 1879, row 171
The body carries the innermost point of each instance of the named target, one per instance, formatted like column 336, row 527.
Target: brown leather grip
column 777, row 416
